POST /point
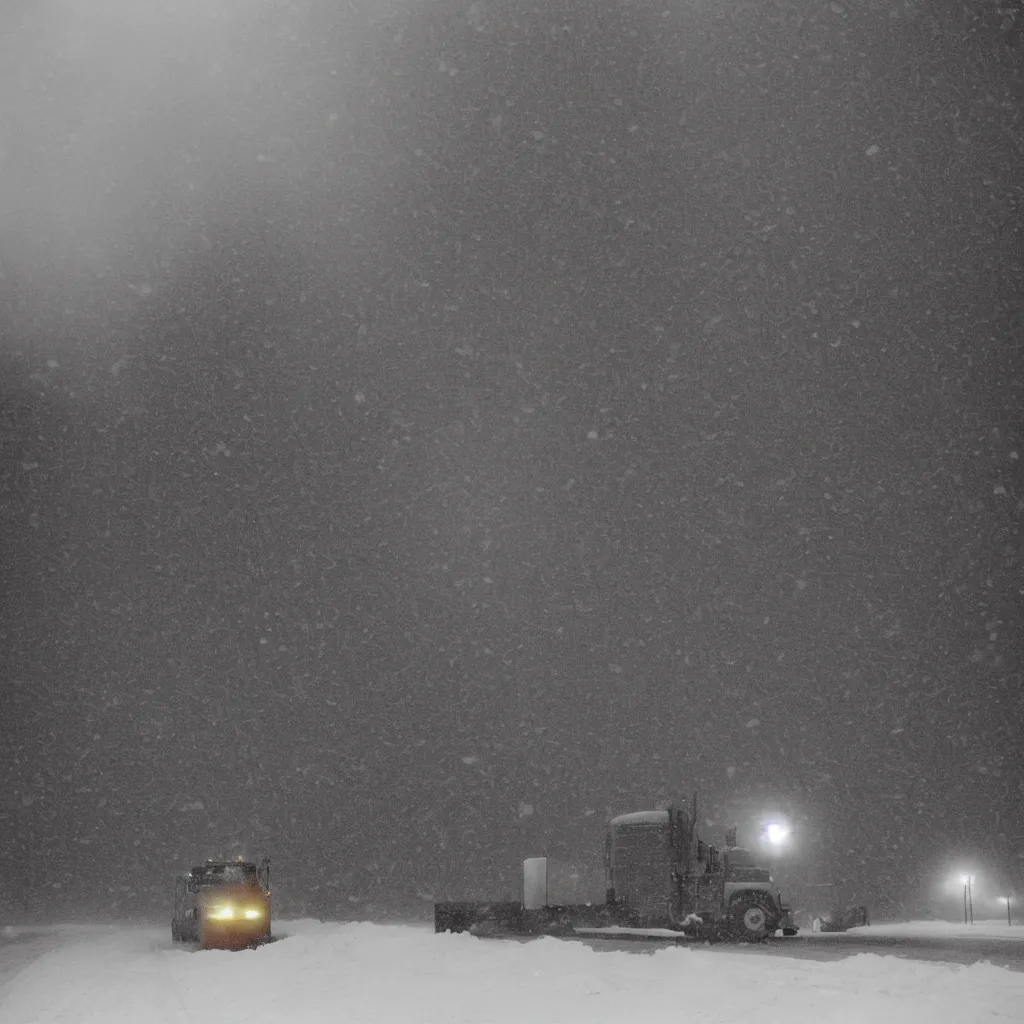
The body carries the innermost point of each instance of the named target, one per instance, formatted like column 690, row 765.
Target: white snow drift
column 362, row 973
column 944, row 930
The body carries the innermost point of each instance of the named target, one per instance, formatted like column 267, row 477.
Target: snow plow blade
column 842, row 920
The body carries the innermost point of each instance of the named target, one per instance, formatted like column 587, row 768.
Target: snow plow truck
column 223, row 904
column 661, row 878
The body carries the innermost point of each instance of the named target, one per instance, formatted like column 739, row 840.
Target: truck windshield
column 225, row 874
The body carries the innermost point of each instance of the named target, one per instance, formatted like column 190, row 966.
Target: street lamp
column 776, row 833
column 1007, row 900
column 968, row 897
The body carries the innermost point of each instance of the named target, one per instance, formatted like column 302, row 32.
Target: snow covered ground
column 361, row 973
column 944, row 930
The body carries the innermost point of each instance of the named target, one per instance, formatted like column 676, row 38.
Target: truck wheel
column 750, row 920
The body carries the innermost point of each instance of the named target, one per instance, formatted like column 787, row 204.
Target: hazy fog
column 428, row 428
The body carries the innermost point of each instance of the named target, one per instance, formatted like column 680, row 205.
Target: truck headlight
column 252, row 913
column 224, row 912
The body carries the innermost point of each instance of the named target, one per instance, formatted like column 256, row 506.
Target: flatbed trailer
column 509, row 919
column 512, row 918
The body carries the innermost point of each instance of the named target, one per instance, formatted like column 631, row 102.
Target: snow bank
column 943, row 930
column 372, row 974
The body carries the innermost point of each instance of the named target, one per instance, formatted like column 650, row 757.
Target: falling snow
column 429, row 430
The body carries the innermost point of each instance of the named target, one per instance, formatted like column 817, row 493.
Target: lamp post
column 1006, row 899
column 968, row 898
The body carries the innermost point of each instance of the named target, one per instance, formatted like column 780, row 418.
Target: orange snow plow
column 223, row 905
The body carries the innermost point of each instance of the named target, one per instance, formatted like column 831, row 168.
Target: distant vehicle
column 223, row 904
column 660, row 875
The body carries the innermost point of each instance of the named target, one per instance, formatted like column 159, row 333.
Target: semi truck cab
column 660, row 874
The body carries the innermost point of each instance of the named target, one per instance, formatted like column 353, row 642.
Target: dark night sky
column 430, row 427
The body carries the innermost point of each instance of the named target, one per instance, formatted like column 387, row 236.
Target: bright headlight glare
column 252, row 913
column 223, row 913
